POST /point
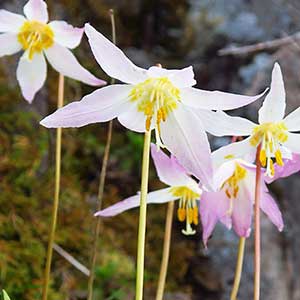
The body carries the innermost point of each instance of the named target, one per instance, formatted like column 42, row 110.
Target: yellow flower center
column 231, row 186
column 188, row 208
column 156, row 97
column 271, row 136
column 35, row 36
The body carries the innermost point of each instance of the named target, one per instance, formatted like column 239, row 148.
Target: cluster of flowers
column 162, row 100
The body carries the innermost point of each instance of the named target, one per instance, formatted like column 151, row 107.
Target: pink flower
column 38, row 38
column 157, row 98
column 181, row 187
column 232, row 201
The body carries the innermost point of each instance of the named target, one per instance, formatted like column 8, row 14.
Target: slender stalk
column 257, row 256
column 60, row 102
column 239, row 268
column 101, row 184
column 142, row 219
column 166, row 252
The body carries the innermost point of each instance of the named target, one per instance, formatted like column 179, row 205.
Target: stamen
column 278, row 157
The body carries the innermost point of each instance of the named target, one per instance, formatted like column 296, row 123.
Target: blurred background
column 175, row 33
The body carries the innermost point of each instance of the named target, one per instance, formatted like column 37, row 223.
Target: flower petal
column 184, row 137
column 9, row 44
column 10, row 22
column 220, row 124
column 112, row 60
column 225, row 171
column 293, row 142
column 215, row 100
column 102, row 105
column 270, row 208
column 31, row 75
column 242, row 212
column 290, row 167
column 64, row 62
column 213, row 206
column 36, row 10
column 180, row 78
column 236, row 150
column 168, row 169
column 273, row 107
column 157, row 197
column 133, row 119
column 65, row 34
column 292, row 121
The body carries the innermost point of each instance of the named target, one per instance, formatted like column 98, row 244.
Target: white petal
column 236, row 150
column 64, row 62
column 9, row 44
column 157, row 197
column 180, row 78
column 133, row 119
column 112, row 60
column 102, row 105
column 292, row 121
column 220, row 124
column 168, row 169
column 273, row 107
column 65, row 34
column 10, row 22
column 31, row 75
column 293, row 142
column 215, row 100
column 36, row 10
column 184, row 136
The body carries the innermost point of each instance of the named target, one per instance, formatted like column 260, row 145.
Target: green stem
column 239, row 268
column 101, row 185
column 60, row 103
column 166, row 252
column 142, row 219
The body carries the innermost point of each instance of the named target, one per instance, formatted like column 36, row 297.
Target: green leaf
column 5, row 295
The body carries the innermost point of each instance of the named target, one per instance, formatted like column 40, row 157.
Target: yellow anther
column 156, row 97
column 228, row 193
column 263, row 157
column 195, row 215
column 272, row 170
column 148, row 123
column 235, row 191
column 278, row 157
column 35, row 37
column 181, row 214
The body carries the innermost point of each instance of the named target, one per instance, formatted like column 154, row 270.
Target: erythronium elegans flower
column 36, row 37
column 233, row 199
column 181, row 187
column 156, row 98
column 274, row 132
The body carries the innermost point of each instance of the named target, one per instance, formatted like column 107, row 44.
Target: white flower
column 36, row 37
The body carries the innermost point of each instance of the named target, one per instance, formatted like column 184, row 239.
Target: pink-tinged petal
column 237, row 150
column 31, row 75
column 168, row 169
column 133, row 119
column 65, row 34
column 242, row 212
column 64, row 62
column 102, row 105
column 290, row 167
column 215, row 100
column 9, row 44
column 270, row 208
column 292, row 121
column 220, row 124
column 112, row 60
column 293, row 142
column 157, row 197
column 273, row 107
column 184, row 137
column 36, row 10
column 213, row 207
column 180, row 78
column 10, row 22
